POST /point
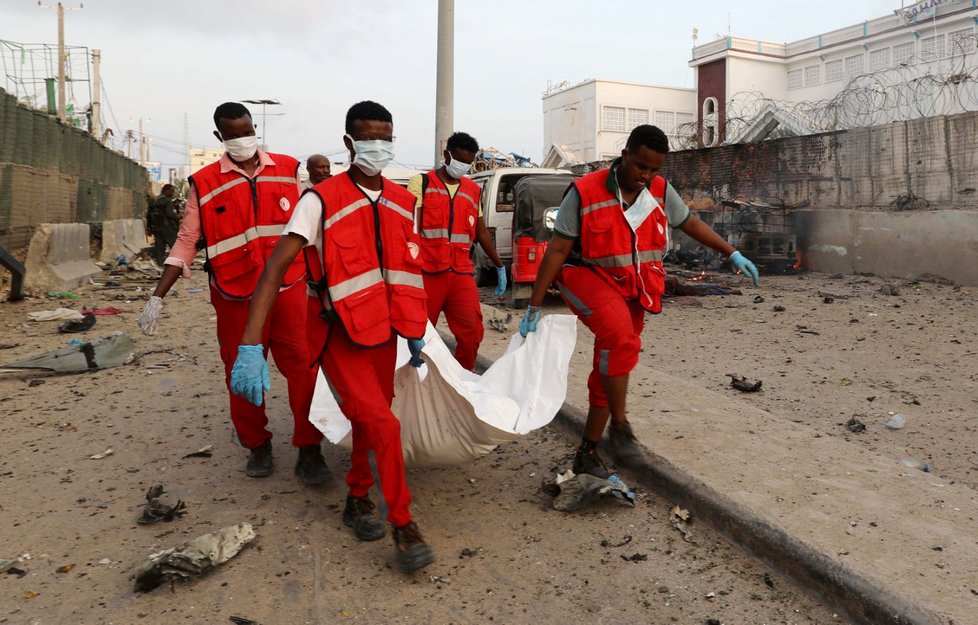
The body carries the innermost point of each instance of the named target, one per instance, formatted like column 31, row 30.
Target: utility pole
column 143, row 144
column 61, row 54
column 445, row 77
column 96, row 93
column 264, row 102
column 129, row 144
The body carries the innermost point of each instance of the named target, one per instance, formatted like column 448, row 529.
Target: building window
column 613, row 118
column 795, row 77
column 813, row 75
column 637, row 117
column 879, row 60
column 932, row 48
column 666, row 121
column 854, row 65
column 833, row 71
column 903, row 53
column 685, row 119
column 961, row 42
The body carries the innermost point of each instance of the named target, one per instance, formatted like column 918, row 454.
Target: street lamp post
column 264, row 102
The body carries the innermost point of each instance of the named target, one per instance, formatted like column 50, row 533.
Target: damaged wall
column 890, row 200
column 53, row 173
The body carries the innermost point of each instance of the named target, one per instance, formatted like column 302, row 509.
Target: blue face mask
column 372, row 155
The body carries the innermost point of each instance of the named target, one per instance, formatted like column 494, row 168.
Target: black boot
column 623, row 445
column 359, row 514
column 412, row 553
column 311, row 467
column 260, row 462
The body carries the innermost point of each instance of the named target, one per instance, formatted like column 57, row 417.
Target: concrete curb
column 849, row 592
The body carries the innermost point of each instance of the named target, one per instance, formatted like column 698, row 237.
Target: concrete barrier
column 123, row 237
column 58, row 258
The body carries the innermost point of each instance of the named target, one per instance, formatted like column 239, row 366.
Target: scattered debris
column 758, row 299
column 109, row 310
column 196, row 290
column 84, row 324
column 66, row 568
column 35, row 382
column 635, row 557
column 890, row 289
column 804, row 330
column 833, row 296
column 896, row 422
column 768, row 580
column 855, row 425
column 112, row 351
column 105, row 454
column 779, row 308
column 155, row 511
column 203, row 452
column 681, row 521
column 828, row 300
column 61, row 295
column 743, row 384
column 926, row 467
column 625, row 541
column 500, row 324
column 193, row 559
column 572, row 491
column 13, row 570
column 58, row 314
column 468, row 553
column 240, row 620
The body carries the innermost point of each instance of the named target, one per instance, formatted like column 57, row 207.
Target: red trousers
column 362, row 380
column 457, row 296
column 616, row 323
column 285, row 335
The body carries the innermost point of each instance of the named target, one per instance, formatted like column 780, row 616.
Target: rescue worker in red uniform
column 449, row 221
column 238, row 207
column 610, row 233
column 365, row 262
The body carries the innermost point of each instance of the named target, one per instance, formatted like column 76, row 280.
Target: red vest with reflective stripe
column 242, row 219
column 372, row 259
column 629, row 260
column 447, row 225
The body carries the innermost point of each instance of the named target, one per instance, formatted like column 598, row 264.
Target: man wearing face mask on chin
column 449, row 220
column 364, row 261
column 238, row 206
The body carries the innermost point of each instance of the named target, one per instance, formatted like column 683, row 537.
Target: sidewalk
column 885, row 543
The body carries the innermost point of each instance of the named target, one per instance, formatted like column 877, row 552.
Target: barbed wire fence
column 919, row 87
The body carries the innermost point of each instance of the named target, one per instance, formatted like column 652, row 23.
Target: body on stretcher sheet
column 450, row 415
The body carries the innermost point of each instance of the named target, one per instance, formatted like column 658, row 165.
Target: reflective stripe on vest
column 355, row 284
column 625, row 260
column 346, row 211
column 224, row 187
column 597, row 205
column 397, row 209
column 435, row 233
column 394, row 276
column 284, row 179
column 232, row 243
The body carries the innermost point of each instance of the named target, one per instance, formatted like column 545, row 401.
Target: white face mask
column 242, row 148
column 372, row 155
column 457, row 169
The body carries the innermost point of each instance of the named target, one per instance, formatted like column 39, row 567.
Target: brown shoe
column 412, row 553
column 359, row 514
column 260, row 462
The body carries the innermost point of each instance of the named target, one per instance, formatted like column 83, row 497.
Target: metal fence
column 54, row 173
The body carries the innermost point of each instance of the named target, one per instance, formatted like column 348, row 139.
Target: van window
column 504, row 193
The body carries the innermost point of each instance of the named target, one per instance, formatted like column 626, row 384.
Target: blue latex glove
column 249, row 376
column 530, row 320
column 744, row 266
column 500, row 281
column 415, row 346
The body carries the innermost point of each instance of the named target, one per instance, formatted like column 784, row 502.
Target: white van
column 497, row 209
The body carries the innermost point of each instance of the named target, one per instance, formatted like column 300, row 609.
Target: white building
column 201, row 157
column 590, row 121
column 917, row 62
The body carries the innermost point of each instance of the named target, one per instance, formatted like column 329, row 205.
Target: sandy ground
column 504, row 555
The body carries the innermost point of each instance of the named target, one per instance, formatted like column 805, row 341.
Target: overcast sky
column 161, row 60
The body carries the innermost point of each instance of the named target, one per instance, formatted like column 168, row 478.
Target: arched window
column 711, row 133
